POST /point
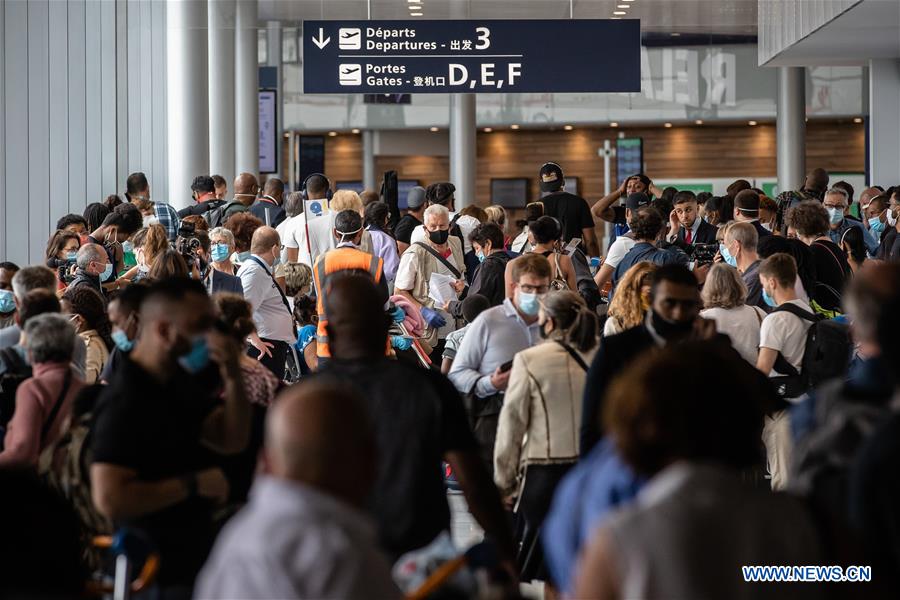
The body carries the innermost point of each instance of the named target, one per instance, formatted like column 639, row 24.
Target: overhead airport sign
column 421, row 57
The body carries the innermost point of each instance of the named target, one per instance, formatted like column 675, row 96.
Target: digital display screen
column 509, row 193
column 310, row 157
column 629, row 158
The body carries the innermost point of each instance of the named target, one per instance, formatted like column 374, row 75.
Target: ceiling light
column 568, row 127
column 434, row 129
column 751, row 123
column 857, row 119
column 622, row 6
column 415, row 14
column 668, row 125
column 698, row 122
column 332, row 134
column 487, row 130
column 675, row 34
column 354, row 131
column 513, row 126
column 619, row 12
column 626, row 0
column 613, row 124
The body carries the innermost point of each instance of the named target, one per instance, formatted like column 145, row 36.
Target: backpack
column 558, row 283
column 216, row 215
column 455, row 230
column 826, row 355
column 17, row 371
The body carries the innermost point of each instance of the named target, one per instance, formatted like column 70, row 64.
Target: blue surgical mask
column 219, row 252
column 727, row 256
column 71, row 257
column 7, row 301
column 127, row 246
column 107, row 271
column 876, row 225
column 276, row 261
column 769, row 300
column 479, row 256
column 242, row 256
column 835, row 215
column 528, row 303
column 120, row 339
column 197, row 357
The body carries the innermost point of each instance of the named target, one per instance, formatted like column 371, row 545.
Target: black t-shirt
column 832, row 272
column 403, row 230
column 571, row 211
column 154, row 428
column 417, row 416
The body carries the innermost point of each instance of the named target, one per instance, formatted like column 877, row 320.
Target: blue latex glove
column 433, row 317
column 398, row 314
column 398, row 342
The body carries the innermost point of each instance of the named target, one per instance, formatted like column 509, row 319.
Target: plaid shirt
column 168, row 218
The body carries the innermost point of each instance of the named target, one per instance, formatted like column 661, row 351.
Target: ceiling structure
column 667, row 17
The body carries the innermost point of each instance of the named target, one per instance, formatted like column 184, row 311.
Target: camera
column 703, row 253
column 65, row 273
column 187, row 245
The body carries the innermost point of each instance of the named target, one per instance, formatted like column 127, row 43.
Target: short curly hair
column 809, row 219
column 646, row 223
column 242, row 225
column 656, row 420
column 235, row 313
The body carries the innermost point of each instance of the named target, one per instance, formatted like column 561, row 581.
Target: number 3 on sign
column 484, row 38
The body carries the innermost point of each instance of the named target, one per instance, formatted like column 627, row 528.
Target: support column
column 221, row 89
column 369, row 178
column 884, row 121
column 274, row 60
column 246, row 86
column 187, row 102
column 462, row 148
column 791, row 127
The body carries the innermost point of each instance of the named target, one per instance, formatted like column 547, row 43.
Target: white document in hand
column 440, row 289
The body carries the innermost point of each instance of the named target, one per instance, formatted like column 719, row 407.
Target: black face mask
column 669, row 330
column 439, row 237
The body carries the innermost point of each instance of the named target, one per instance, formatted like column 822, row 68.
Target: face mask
column 479, row 256
column 544, row 333
column 345, row 235
column 242, row 256
column 127, row 247
column 769, row 300
column 891, row 218
column 876, row 225
column 439, row 237
column 120, row 339
column 219, row 252
column 276, row 261
column 150, row 220
column 107, row 271
column 766, row 226
column 528, row 303
column 669, row 330
column 727, row 256
column 7, row 302
column 835, row 215
column 196, row 359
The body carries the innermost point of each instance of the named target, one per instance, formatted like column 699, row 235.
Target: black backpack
column 826, row 356
column 215, row 216
column 17, row 371
column 455, row 230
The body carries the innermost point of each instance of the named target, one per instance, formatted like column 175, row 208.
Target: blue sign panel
column 421, row 57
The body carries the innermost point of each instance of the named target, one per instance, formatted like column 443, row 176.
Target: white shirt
column 272, row 318
column 406, row 280
column 618, row 250
column 294, row 541
column 321, row 238
column 521, row 244
column 742, row 325
column 466, row 224
column 786, row 333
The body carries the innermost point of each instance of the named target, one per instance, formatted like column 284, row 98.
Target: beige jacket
column 96, row 357
column 541, row 414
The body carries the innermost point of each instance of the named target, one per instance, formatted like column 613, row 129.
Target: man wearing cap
column 746, row 210
column 572, row 212
column 623, row 243
column 415, row 202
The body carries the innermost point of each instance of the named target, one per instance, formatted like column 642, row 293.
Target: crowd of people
column 277, row 400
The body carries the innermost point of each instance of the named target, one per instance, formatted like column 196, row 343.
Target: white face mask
column 891, row 219
column 766, row 226
column 150, row 220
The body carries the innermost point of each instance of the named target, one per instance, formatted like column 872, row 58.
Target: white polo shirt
column 272, row 318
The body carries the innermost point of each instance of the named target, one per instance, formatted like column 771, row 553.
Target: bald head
column 318, row 433
column 817, row 180
column 357, row 325
column 275, row 188
column 264, row 239
column 245, row 188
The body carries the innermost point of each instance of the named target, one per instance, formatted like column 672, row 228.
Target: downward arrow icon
column 321, row 41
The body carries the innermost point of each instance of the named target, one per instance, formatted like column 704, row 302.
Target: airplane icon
column 350, row 75
column 349, row 38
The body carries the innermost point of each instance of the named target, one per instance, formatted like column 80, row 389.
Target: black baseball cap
column 552, row 178
column 637, row 200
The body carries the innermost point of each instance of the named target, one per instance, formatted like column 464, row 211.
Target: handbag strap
column 284, row 299
column 441, row 259
column 575, row 356
column 67, row 382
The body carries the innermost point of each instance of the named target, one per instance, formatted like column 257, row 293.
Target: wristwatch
column 190, row 484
